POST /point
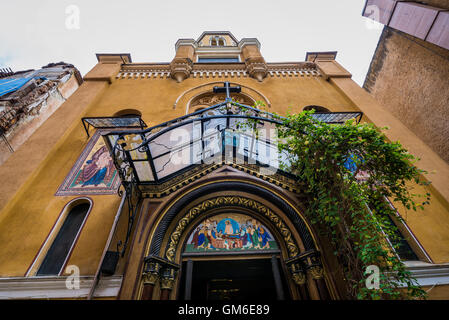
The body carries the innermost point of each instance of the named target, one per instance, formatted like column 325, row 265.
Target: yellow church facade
column 102, row 189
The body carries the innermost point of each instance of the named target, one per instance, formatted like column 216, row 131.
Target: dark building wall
column 436, row 3
column 410, row 77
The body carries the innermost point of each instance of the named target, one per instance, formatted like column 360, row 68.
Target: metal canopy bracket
column 112, row 122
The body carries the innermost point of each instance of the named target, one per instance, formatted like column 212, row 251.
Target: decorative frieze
column 203, row 72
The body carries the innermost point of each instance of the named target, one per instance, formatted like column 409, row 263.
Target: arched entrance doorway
column 231, row 255
column 194, row 253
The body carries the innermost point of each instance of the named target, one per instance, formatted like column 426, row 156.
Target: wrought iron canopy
column 226, row 132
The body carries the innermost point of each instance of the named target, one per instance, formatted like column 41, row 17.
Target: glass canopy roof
column 227, row 132
column 113, row 122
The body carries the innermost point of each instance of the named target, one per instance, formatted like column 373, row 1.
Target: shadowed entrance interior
column 246, row 279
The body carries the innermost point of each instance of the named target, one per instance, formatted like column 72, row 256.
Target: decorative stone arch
column 189, row 94
column 173, row 210
column 174, row 243
column 301, row 254
column 208, row 99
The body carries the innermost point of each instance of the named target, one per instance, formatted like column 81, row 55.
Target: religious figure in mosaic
column 230, row 232
column 93, row 173
column 97, row 169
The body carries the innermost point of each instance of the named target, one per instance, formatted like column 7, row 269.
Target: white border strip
column 55, row 287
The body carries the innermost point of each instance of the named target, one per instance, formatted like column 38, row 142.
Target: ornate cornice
column 216, row 70
column 249, row 41
column 186, row 42
column 164, row 189
column 180, row 68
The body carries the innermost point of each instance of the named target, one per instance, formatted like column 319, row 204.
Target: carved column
column 158, row 269
column 299, row 277
column 308, row 263
column 315, row 269
column 167, row 281
column 150, row 278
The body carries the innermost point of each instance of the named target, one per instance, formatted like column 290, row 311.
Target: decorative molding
column 186, row 42
column 54, row 287
column 180, row 68
column 249, row 41
column 428, row 274
column 210, row 98
column 257, row 68
column 299, row 278
column 234, row 70
column 150, row 278
column 167, row 283
column 210, row 84
column 217, row 73
column 316, row 272
column 164, row 189
column 292, row 248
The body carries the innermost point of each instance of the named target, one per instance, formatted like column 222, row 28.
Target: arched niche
column 161, row 243
column 128, row 113
column 185, row 98
column 208, row 99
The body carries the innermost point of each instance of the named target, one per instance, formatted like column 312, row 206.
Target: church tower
column 141, row 185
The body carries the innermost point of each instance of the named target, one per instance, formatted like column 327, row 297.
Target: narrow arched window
column 217, row 41
column 64, row 240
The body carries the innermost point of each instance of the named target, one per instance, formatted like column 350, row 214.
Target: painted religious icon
column 230, row 232
column 93, row 173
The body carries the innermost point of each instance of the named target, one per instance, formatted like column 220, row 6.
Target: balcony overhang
column 226, row 133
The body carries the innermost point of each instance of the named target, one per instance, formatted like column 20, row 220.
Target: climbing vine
column 348, row 173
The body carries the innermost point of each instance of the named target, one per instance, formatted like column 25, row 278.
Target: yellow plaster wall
column 28, row 215
column 30, row 178
column 155, row 97
column 27, row 218
column 439, row 292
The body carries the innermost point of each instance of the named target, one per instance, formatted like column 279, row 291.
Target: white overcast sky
column 34, row 33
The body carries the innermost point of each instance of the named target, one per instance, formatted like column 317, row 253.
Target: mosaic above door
column 230, row 232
